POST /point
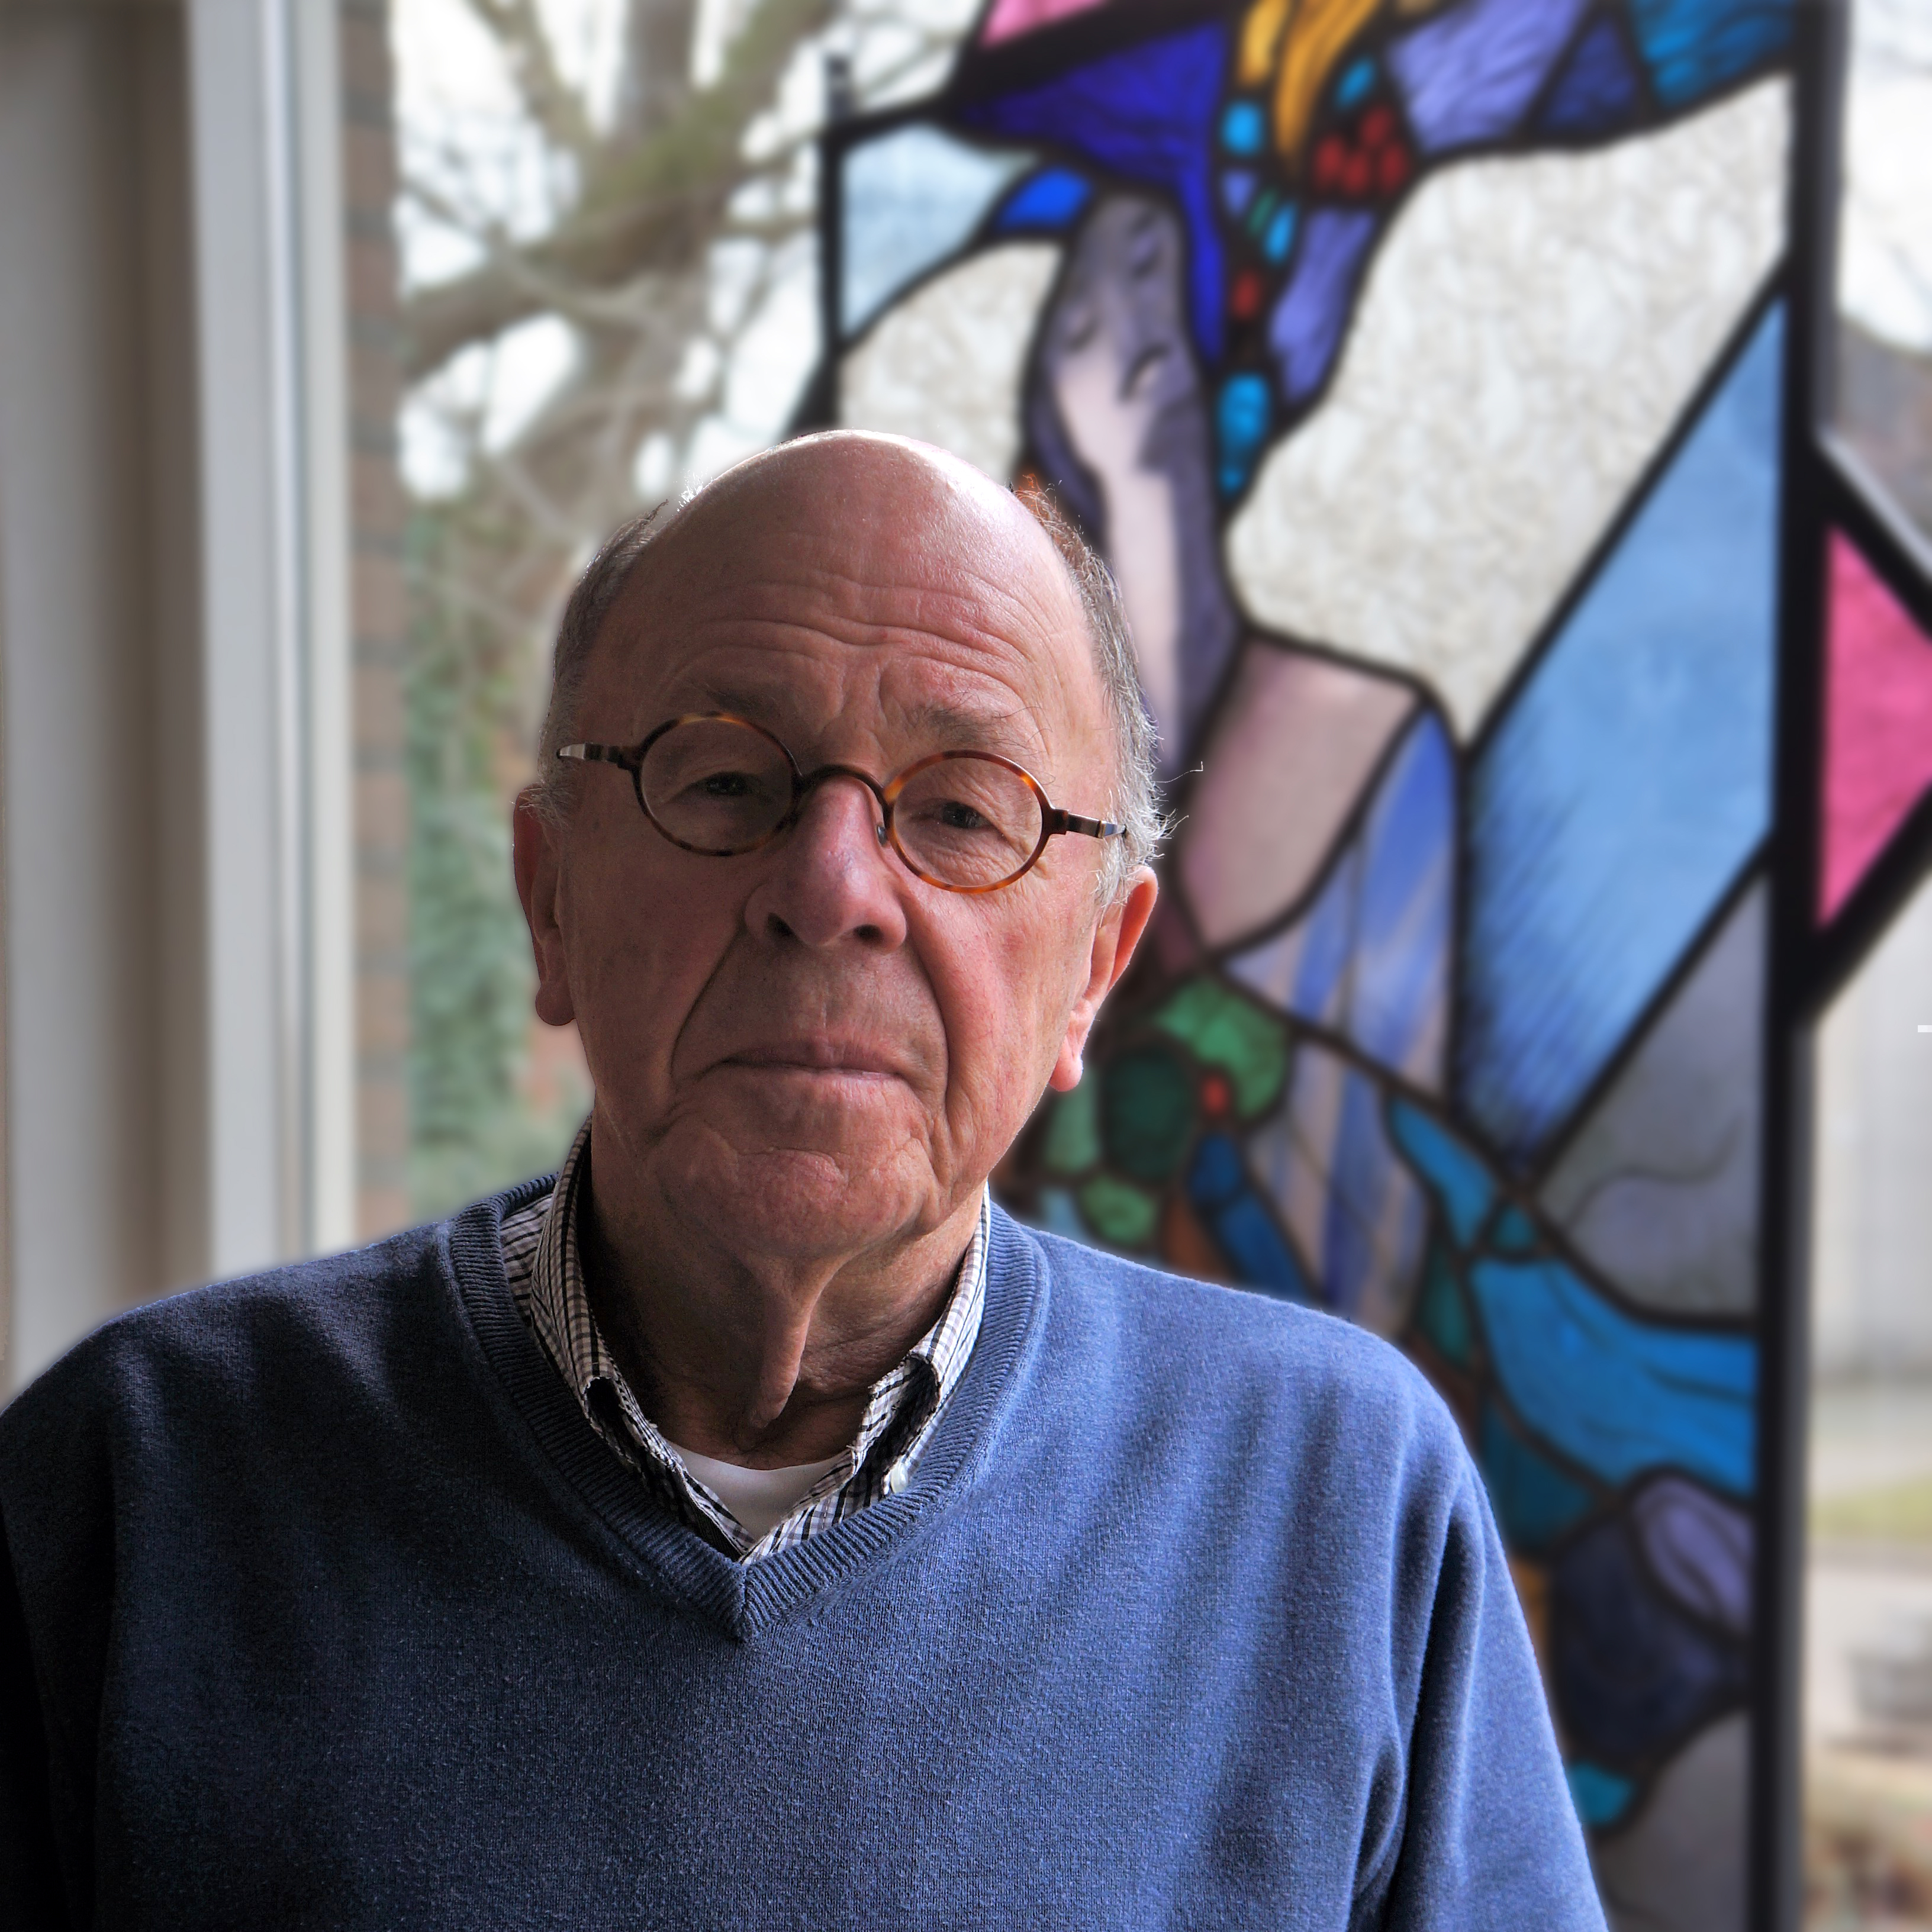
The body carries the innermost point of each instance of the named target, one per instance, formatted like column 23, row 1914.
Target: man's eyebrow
column 970, row 728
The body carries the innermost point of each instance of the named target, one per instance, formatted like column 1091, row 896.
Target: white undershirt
column 761, row 1499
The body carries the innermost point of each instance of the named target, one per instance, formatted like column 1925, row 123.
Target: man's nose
column 833, row 877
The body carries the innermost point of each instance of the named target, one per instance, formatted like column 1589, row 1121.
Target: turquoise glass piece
column 1456, row 1177
column 1441, row 1312
column 1534, row 1500
column 1601, row 1797
column 1242, row 129
column 1241, row 418
column 1357, row 83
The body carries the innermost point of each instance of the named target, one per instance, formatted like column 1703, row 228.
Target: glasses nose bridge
column 809, row 782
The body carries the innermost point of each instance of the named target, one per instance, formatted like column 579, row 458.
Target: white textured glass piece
column 1529, row 333
column 946, row 364
column 911, row 198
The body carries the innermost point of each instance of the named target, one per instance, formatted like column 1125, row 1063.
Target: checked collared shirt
column 541, row 1257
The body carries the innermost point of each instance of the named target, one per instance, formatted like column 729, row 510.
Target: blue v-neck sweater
column 322, row 1605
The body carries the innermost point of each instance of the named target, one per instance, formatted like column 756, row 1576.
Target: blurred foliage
column 470, row 974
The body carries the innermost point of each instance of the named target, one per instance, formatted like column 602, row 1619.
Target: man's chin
column 810, row 1197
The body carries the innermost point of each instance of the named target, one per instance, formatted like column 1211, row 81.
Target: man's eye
column 725, row 784
column 958, row 818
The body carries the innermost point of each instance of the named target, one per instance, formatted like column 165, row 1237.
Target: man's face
column 805, row 1046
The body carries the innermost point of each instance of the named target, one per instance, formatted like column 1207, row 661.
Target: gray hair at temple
column 1136, row 805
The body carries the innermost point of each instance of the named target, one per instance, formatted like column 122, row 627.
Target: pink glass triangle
column 1010, row 19
column 1878, row 722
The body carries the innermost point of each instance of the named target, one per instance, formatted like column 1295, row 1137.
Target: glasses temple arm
column 597, row 754
column 1058, row 820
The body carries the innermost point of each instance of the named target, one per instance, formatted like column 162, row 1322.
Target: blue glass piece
column 1615, row 1395
column 1357, row 83
column 1514, row 1234
column 1693, row 47
column 1471, row 74
column 1237, row 190
column 1305, row 329
column 1260, row 1258
column 1050, row 199
column 1370, row 958
column 1598, row 89
column 1403, row 916
column 1629, row 780
column 1218, row 1188
column 1601, row 1797
column 1147, row 114
column 1241, row 418
column 1634, row 1676
column 1362, row 1179
column 1216, row 1176
column 1457, row 1177
column 909, row 198
column 1280, row 235
column 1535, row 1502
column 1242, row 129
column 1059, row 1215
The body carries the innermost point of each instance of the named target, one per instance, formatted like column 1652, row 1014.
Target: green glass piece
column 1119, row 1211
column 1224, row 1030
column 1073, row 1130
column 1146, row 1111
column 1441, row 1312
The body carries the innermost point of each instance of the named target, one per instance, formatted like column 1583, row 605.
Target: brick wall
column 377, row 513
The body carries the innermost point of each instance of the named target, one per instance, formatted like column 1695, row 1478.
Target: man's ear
column 537, row 844
column 1115, row 938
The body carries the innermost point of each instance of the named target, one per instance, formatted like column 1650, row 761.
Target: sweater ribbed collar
column 741, row 1598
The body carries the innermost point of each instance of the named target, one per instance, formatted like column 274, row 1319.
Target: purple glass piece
column 1307, row 328
column 1598, row 89
column 1699, row 1549
column 1470, row 74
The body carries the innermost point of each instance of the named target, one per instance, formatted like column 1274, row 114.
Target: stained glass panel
column 1419, row 370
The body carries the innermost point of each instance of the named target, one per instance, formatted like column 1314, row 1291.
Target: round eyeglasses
column 720, row 786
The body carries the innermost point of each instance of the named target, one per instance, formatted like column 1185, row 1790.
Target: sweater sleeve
column 1490, row 1837
column 30, row 1884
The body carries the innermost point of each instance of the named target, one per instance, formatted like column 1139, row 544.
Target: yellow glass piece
column 1261, row 39
column 1324, row 30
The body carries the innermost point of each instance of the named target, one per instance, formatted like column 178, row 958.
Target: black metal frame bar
column 1774, row 1858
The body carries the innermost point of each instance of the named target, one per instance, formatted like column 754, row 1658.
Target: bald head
column 885, row 528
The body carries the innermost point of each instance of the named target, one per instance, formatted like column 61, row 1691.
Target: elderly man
column 754, row 1527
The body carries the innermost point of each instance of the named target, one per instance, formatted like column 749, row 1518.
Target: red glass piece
column 1330, row 159
column 1359, row 175
column 1244, row 299
column 1392, row 170
column 1378, row 124
column 1216, row 1097
column 1878, row 723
